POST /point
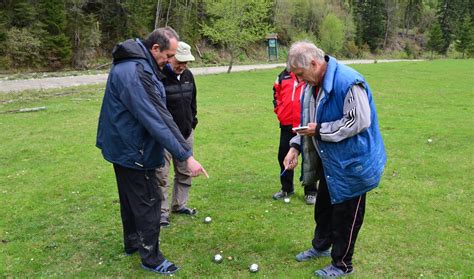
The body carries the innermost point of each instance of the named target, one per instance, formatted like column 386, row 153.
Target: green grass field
column 59, row 203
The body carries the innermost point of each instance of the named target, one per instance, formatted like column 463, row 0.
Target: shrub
column 19, row 40
column 304, row 36
column 332, row 34
column 210, row 57
column 351, row 50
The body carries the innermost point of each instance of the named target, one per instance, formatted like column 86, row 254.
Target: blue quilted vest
column 355, row 165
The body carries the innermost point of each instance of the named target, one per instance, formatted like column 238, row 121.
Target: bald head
column 161, row 36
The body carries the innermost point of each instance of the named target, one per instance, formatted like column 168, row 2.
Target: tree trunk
column 198, row 50
column 387, row 26
column 168, row 13
column 157, row 14
column 231, row 62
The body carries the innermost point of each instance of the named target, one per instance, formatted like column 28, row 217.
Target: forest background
column 54, row 35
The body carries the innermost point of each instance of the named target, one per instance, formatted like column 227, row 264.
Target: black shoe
column 186, row 211
column 282, row 194
column 164, row 222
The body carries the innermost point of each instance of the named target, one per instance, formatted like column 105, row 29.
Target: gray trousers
column 181, row 185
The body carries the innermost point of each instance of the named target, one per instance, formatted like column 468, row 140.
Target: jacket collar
column 168, row 72
column 328, row 80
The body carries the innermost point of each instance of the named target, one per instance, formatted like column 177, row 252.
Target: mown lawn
column 59, row 204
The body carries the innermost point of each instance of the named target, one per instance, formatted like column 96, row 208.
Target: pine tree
column 412, row 14
column 369, row 18
column 83, row 30
column 114, row 22
column 448, row 15
column 56, row 47
column 23, row 14
column 141, row 17
column 3, row 34
column 435, row 40
column 464, row 35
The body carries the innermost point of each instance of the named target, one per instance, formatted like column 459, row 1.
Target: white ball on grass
column 218, row 258
column 253, row 267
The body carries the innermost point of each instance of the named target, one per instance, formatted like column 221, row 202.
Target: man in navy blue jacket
column 134, row 128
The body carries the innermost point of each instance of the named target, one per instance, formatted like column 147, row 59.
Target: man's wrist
column 296, row 148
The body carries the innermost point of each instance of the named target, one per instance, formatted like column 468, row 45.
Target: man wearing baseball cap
column 181, row 102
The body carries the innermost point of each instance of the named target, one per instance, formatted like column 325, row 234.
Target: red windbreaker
column 286, row 98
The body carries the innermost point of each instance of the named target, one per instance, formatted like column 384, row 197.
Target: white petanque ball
column 207, row 220
column 253, row 268
column 286, row 200
column 217, row 258
column 430, row 140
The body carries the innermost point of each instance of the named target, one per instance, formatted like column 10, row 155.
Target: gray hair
column 162, row 37
column 301, row 53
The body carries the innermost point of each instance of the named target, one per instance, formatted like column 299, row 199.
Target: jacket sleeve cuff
column 296, row 146
column 318, row 129
column 184, row 156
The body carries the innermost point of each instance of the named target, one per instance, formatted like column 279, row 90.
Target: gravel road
column 57, row 82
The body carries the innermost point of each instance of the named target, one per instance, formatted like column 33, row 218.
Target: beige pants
column 182, row 182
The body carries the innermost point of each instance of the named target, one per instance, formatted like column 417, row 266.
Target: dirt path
column 57, row 82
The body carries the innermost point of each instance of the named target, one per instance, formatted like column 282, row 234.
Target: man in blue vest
column 134, row 128
column 342, row 148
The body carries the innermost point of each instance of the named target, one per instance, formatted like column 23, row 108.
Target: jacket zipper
column 141, row 151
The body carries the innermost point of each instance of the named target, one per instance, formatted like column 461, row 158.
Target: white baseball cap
column 183, row 52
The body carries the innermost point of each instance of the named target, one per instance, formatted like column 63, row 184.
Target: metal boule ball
column 253, row 267
column 218, row 258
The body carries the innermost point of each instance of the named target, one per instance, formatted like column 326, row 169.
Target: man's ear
column 316, row 64
column 156, row 48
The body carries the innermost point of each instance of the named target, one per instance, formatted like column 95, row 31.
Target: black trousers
column 140, row 208
column 286, row 179
column 337, row 225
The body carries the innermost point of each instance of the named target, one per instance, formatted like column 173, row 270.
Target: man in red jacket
column 286, row 101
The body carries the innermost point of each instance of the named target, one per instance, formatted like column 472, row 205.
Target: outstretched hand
column 195, row 167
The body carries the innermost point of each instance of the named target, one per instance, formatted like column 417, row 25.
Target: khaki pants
column 181, row 185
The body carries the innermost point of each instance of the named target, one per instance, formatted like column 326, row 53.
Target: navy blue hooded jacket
column 134, row 124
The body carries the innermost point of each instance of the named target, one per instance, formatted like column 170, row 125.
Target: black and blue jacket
column 181, row 99
column 134, row 123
